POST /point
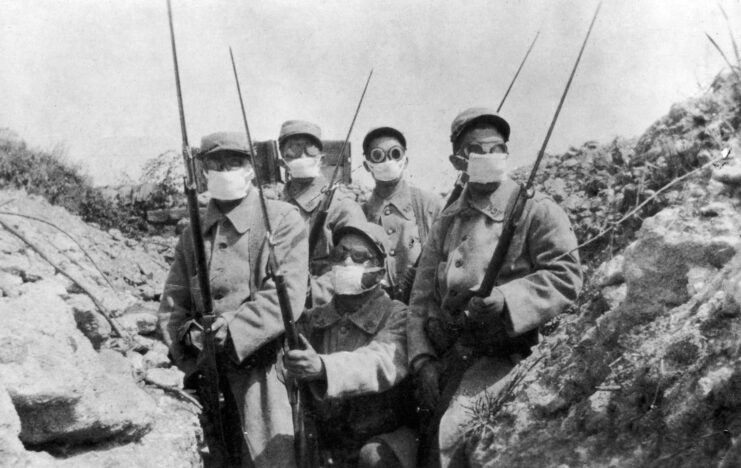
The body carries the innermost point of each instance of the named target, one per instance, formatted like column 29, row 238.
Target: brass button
column 392, row 252
column 459, row 263
column 390, row 231
column 223, row 245
column 387, row 211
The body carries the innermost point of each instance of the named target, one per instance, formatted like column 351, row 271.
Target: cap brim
column 380, row 131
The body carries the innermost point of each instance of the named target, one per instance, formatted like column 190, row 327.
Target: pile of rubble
column 646, row 370
column 72, row 393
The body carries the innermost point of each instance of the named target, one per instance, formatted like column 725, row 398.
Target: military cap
column 470, row 116
column 371, row 232
column 300, row 127
column 223, row 141
column 383, row 131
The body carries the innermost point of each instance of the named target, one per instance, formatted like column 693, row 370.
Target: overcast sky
column 96, row 76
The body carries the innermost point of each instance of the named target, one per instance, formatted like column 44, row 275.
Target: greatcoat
column 406, row 215
column 244, row 294
column 535, row 282
column 367, row 393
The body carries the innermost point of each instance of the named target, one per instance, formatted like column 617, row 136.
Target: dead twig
column 722, row 54
column 103, row 310
column 85, row 252
column 180, row 393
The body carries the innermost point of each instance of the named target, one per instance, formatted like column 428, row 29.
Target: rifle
column 459, row 300
column 321, row 217
column 463, row 177
column 296, row 392
column 209, row 388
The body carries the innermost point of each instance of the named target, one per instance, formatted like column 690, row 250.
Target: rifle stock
column 209, row 388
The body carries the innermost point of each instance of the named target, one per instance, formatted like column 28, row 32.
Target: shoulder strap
column 419, row 213
column 256, row 239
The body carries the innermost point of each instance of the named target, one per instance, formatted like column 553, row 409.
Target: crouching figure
column 355, row 360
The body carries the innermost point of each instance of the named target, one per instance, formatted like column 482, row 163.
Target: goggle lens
column 338, row 254
column 379, row 155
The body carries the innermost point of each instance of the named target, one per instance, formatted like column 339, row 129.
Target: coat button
column 222, row 245
column 390, row 231
column 387, row 211
column 459, row 263
column 392, row 252
column 343, row 330
column 218, row 296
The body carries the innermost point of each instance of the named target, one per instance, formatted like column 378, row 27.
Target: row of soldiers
column 391, row 384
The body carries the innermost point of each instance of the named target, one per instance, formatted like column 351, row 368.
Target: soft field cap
column 300, row 127
column 477, row 114
column 381, row 131
column 224, row 141
column 374, row 233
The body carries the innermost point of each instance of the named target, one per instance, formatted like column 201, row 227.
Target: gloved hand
column 428, row 385
column 482, row 310
column 303, row 364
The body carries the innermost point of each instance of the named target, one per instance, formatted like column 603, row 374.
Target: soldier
column 249, row 327
column 355, row 359
column 404, row 211
column 497, row 331
column 301, row 150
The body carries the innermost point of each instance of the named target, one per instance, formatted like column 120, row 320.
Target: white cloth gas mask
column 229, row 185
column 388, row 170
column 303, row 168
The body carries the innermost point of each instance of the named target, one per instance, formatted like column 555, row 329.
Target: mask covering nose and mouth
column 487, row 168
column 303, row 168
column 388, row 170
column 229, row 185
column 348, row 279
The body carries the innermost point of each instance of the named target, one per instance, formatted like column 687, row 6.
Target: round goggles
column 378, row 155
column 479, row 147
column 224, row 162
column 298, row 149
column 339, row 253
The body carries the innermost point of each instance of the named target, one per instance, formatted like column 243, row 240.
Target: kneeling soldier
column 355, row 359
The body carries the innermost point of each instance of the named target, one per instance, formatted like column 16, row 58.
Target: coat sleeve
column 537, row 297
column 425, row 298
column 372, row 368
column 176, row 304
column 259, row 320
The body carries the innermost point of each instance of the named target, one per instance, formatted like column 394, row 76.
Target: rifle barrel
column 541, row 153
column 517, row 73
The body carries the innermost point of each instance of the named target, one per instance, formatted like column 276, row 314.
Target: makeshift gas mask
column 353, row 272
column 228, row 177
column 485, row 160
column 386, row 165
column 302, row 159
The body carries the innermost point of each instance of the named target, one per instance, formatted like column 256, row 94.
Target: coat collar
column 493, row 208
column 240, row 216
column 401, row 198
column 368, row 318
column 310, row 197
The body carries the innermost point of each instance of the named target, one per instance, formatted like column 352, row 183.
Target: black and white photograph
column 372, row 234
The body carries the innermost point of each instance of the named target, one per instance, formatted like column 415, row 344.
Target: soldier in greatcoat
column 301, row 147
column 541, row 276
column 249, row 328
column 405, row 212
column 355, row 361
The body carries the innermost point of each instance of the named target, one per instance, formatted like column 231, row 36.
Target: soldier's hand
column 220, row 329
column 428, row 383
column 303, row 364
column 481, row 310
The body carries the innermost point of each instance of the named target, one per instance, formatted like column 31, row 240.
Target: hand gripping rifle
column 321, row 217
column 210, row 389
column 458, row 302
column 516, row 203
column 463, row 177
column 305, row 457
